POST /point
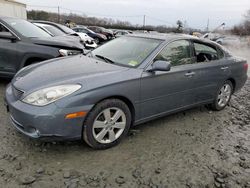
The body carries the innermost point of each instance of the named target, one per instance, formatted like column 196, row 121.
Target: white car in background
column 55, row 29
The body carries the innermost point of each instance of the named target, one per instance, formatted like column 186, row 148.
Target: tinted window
column 66, row 29
column 26, row 28
column 54, row 30
column 83, row 30
column 205, row 53
column 3, row 29
column 177, row 53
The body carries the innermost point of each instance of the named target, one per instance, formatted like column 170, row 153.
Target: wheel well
column 32, row 60
column 233, row 82
column 126, row 101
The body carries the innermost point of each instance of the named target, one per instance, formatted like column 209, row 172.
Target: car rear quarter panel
column 238, row 74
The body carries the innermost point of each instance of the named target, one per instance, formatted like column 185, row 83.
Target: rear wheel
column 107, row 124
column 223, row 96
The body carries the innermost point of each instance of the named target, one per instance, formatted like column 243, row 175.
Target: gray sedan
column 130, row 80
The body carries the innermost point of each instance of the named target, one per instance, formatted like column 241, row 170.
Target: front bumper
column 91, row 44
column 47, row 122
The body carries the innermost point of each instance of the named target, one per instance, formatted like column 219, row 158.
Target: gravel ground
column 196, row 148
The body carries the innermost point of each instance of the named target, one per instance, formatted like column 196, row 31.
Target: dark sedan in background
column 109, row 34
column 22, row 44
column 127, row 81
column 99, row 38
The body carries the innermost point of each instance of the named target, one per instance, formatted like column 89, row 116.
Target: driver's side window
column 177, row 53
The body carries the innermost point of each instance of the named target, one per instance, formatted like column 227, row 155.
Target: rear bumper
column 47, row 122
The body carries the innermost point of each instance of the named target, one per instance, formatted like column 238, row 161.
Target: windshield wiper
column 105, row 59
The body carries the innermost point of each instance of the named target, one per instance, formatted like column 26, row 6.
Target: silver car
column 98, row 96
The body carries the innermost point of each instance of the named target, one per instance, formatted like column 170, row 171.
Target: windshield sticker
column 133, row 63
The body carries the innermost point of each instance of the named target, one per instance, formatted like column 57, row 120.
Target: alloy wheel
column 224, row 95
column 109, row 125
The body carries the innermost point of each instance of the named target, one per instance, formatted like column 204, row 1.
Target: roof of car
column 170, row 36
column 44, row 22
column 163, row 36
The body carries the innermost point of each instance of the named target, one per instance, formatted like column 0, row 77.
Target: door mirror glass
column 160, row 66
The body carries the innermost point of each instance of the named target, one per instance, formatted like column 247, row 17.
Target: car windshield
column 26, row 28
column 66, row 29
column 126, row 51
column 89, row 30
column 54, row 30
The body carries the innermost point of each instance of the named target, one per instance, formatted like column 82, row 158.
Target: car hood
column 59, row 41
column 67, row 70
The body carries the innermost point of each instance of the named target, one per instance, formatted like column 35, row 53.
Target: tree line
column 243, row 29
column 104, row 22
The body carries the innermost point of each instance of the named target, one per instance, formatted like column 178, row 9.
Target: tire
column 97, row 41
column 100, row 131
column 222, row 99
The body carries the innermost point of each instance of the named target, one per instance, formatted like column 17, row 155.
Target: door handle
column 190, row 74
column 224, row 68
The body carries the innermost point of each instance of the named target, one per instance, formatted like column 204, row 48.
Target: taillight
column 245, row 66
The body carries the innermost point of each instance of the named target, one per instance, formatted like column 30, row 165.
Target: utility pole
column 207, row 24
column 58, row 11
column 144, row 21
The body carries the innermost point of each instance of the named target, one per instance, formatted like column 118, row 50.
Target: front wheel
column 223, row 96
column 107, row 124
column 97, row 41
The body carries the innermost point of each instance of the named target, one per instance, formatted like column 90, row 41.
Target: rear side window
column 177, row 53
column 206, row 53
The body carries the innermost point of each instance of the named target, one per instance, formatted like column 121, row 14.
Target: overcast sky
column 158, row 12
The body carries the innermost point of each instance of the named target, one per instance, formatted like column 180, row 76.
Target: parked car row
column 56, row 29
column 26, row 42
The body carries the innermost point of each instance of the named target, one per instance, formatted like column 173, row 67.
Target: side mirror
column 7, row 35
column 160, row 66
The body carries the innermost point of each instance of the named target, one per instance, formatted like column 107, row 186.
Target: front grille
column 17, row 93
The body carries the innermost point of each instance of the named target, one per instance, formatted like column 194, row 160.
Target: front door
column 163, row 92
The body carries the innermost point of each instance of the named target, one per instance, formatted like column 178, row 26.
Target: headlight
column 48, row 95
column 64, row 52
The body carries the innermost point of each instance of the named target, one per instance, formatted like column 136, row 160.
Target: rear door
column 211, row 68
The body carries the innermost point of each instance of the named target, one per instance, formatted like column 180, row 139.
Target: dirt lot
column 196, row 148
